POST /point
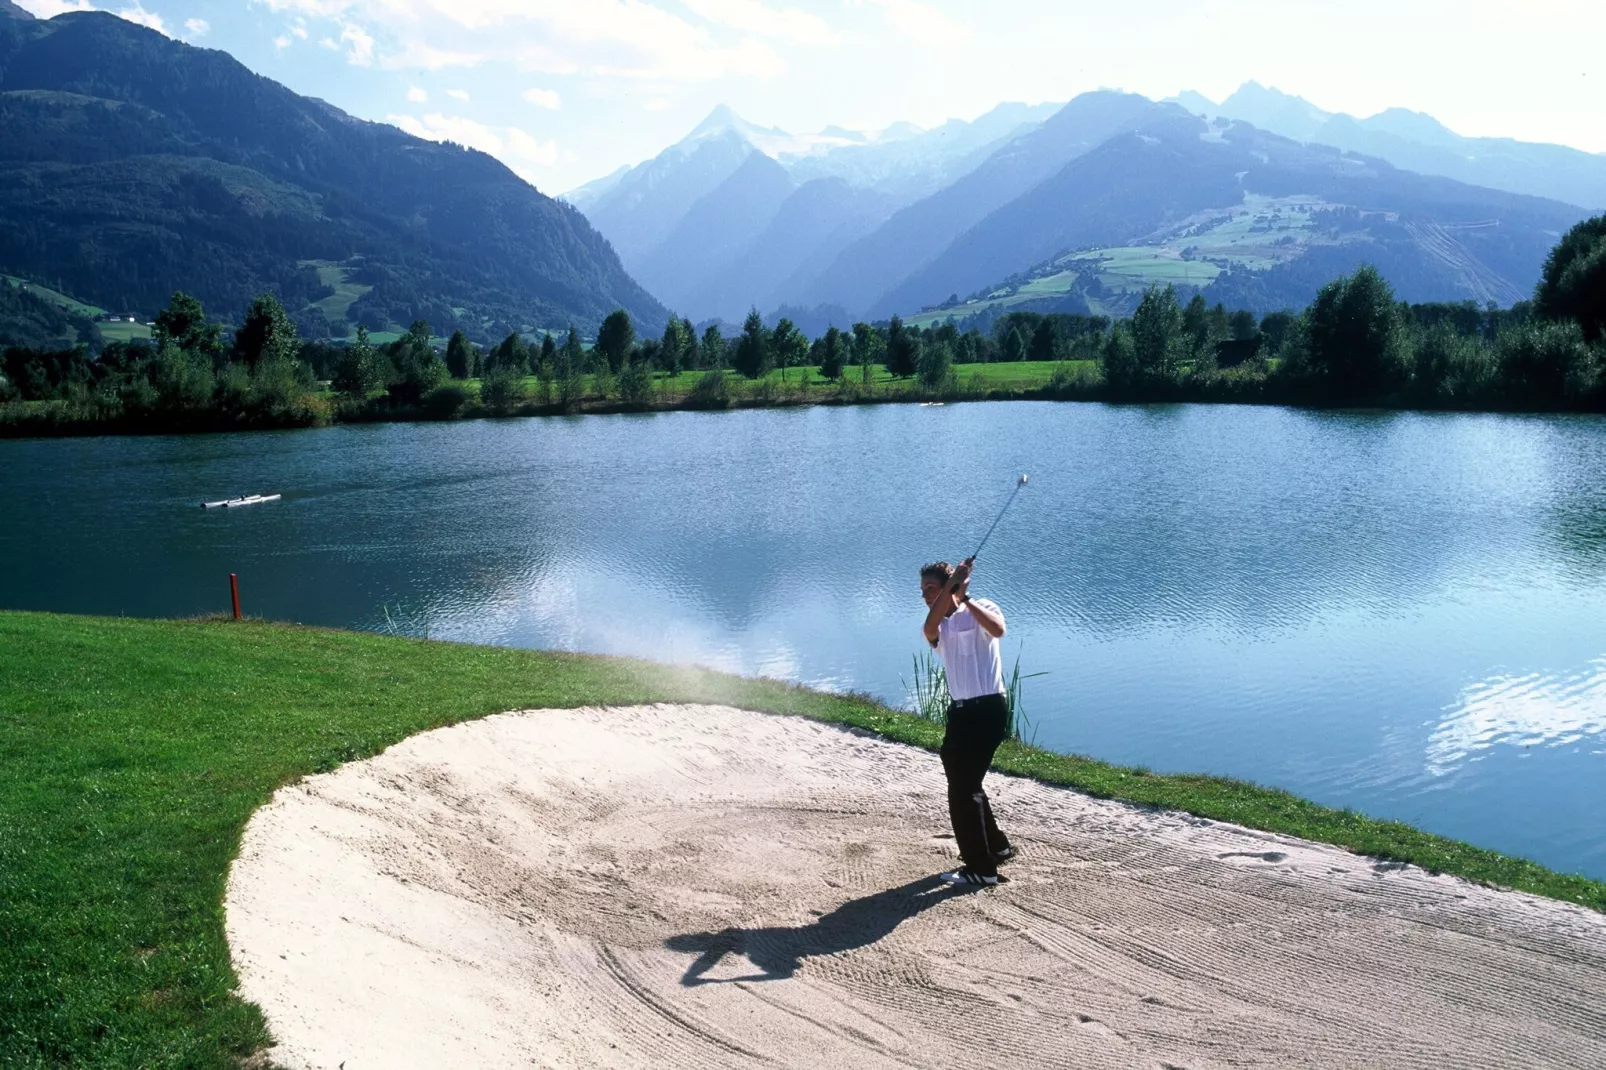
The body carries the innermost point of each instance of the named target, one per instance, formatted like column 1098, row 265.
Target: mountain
column 134, row 165
column 809, row 229
column 714, row 231
column 732, row 253
column 875, row 265
column 1417, row 142
column 1253, row 219
column 8, row 10
column 908, row 163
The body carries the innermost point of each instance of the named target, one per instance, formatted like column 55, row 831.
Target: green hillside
column 134, row 165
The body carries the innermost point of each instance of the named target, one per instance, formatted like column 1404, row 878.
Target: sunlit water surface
column 1404, row 614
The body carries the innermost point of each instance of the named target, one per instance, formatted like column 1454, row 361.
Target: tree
column 571, row 360
column 267, row 336
column 1014, row 346
column 614, row 339
column 831, row 354
column 635, row 382
column 358, row 374
column 1043, row 339
column 183, row 323
column 1572, row 285
column 546, row 366
column 674, row 351
column 1242, row 326
column 869, row 347
column 903, row 352
column 511, row 353
column 935, row 364
column 462, row 359
column 1546, row 364
column 1277, row 326
column 1157, row 337
column 713, row 347
column 1353, row 341
column 1118, row 361
column 753, row 357
column 789, row 346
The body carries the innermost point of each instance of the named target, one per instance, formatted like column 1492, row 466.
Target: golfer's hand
column 961, row 578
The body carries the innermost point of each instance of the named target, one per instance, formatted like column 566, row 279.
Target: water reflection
column 1280, row 595
column 1528, row 710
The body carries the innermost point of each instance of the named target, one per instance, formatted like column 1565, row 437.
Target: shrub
column 1547, row 363
column 635, row 383
column 712, row 391
column 502, row 388
column 445, row 402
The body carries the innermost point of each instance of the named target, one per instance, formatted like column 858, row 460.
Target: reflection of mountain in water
column 1533, row 710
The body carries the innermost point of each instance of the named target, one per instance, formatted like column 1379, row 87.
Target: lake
column 1400, row 613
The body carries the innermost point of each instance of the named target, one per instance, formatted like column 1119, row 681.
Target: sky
column 565, row 91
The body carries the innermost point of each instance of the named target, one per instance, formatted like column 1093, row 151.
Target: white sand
column 684, row 886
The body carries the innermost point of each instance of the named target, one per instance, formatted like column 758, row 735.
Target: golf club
column 1018, row 485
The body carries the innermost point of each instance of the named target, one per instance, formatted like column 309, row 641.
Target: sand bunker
column 685, row 886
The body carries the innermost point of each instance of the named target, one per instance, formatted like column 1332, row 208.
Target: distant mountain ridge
column 134, row 165
column 1413, row 141
column 1081, row 209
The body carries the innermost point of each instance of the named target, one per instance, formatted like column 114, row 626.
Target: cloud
column 750, row 16
column 656, row 104
column 512, row 145
column 49, row 9
column 543, row 98
column 921, row 23
column 361, row 52
column 605, row 38
column 137, row 14
column 300, row 30
column 458, row 94
column 283, row 41
column 416, row 95
column 197, row 27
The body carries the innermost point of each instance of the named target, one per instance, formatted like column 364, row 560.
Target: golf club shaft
column 1000, row 516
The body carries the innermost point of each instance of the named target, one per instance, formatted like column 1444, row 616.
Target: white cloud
column 750, row 16
column 300, row 30
column 361, row 52
column 197, row 27
column 656, row 104
column 49, row 9
column 415, row 95
column 458, row 94
column 543, row 98
column 331, row 44
column 921, row 23
column 608, row 38
column 282, row 41
column 455, row 128
column 137, row 14
column 526, row 149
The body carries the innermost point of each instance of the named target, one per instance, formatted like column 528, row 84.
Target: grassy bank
column 133, row 752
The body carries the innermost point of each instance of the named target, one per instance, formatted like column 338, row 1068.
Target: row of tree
column 1355, row 344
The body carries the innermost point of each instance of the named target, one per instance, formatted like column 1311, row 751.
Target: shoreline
column 141, row 749
column 55, row 419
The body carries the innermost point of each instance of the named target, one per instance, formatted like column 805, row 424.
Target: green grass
column 336, row 305
column 132, row 752
column 124, row 331
column 56, row 298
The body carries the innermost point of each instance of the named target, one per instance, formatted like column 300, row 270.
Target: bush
column 635, row 383
column 445, row 402
column 1547, row 364
column 712, row 391
column 502, row 389
column 1450, row 368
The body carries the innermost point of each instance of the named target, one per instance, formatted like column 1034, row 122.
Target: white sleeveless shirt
column 969, row 654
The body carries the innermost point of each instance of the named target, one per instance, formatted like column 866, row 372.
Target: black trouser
column 975, row 729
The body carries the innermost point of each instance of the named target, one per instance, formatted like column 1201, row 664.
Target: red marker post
column 234, row 592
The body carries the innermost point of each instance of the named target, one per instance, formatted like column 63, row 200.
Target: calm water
column 1405, row 614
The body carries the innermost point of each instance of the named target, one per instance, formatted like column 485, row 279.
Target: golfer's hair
column 941, row 571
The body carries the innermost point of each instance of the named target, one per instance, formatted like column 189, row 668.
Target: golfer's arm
column 934, row 618
column 990, row 622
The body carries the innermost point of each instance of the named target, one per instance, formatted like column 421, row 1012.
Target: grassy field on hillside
column 133, row 752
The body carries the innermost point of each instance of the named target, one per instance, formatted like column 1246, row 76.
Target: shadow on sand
column 778, row 950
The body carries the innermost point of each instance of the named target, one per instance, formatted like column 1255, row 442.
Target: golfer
column 965, row 632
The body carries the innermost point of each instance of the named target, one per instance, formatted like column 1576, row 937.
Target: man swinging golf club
column 965, row 632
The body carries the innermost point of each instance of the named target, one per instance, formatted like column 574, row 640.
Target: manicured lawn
column 132, row 753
